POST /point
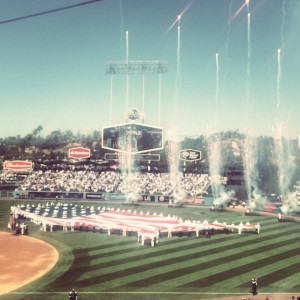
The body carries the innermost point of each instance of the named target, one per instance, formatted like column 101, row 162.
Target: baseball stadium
column 137, row 209
column 127, row 228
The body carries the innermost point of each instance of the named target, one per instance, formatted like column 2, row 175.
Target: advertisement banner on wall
column 79, row 153
column 165, row 198
column 190, row 155
column 94, row 196
column 196, row 200
column 147, row 198
column 18, row 165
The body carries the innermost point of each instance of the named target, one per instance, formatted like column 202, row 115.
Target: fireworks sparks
column 177, row 20
column 245, row 4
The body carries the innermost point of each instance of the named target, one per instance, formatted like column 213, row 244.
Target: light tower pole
column 137, row 67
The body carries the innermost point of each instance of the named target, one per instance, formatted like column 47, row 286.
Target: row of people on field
column 72, row 215
column 17, row 224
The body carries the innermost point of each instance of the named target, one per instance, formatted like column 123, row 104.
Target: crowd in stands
column 11, row 178
column 70, row 165
column 115, row 182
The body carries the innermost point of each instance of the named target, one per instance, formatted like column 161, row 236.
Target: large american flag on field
column 131, row 221
column 145, row 224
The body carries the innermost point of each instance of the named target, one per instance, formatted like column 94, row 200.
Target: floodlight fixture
column 137, row 67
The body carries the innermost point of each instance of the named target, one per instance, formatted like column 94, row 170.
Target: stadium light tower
column 136, row 67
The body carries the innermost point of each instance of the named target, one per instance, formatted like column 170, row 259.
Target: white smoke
column 290, row 203
column 224, row 198
column 257, row 201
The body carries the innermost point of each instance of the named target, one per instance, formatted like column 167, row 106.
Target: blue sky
column 52, row 67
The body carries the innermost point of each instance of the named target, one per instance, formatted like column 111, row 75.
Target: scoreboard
column 132, row 138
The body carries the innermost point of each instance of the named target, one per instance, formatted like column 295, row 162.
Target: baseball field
column 101, row 266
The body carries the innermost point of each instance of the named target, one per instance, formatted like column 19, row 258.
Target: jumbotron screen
column 132, row 138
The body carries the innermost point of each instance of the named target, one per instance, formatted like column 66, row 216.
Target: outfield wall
column 143, row 198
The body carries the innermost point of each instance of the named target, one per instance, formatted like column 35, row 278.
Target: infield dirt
column 23, row 259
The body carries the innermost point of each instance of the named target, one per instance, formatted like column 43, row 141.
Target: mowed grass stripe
column 274, row 222
column 281, row 271
column 252, row 265
column 219, row 278
column 139, row 265
column 191, row 248
column 158, row 253
column 283, row 265
column 274, row 278
column 290, row 280
column 105, row 252
column 164, row 245
column 242, row 255
column 154, row 259
column 205, row 264
column 83, row 264
column 137, row 252
column 185, row 262
column 267, row 224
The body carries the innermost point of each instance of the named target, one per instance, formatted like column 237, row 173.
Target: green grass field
column 116, row 267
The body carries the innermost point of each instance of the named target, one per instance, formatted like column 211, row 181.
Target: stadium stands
column 114, row 182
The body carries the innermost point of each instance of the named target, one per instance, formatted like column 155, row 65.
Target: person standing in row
column 254, row 285
column 73, row 295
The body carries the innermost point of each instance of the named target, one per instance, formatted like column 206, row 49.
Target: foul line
column 165, row 293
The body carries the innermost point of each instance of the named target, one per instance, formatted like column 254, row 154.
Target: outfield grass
column 117, row 267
